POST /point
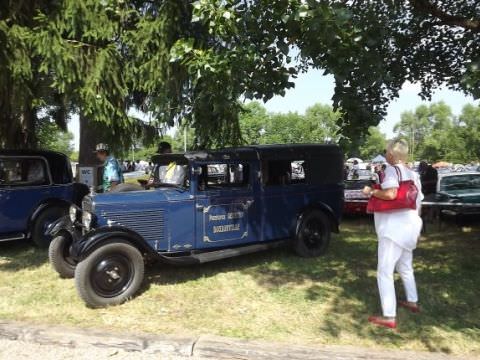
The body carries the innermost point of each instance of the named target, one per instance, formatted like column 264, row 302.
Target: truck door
column 225, row 206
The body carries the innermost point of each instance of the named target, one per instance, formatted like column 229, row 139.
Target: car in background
column 36, row 189
column 193, row 215
column 359, row 174
column 458, row 195
column 355, row 200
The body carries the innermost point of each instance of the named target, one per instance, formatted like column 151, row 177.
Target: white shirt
column 400, row 226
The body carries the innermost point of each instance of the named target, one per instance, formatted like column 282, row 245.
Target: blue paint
column 175, row 220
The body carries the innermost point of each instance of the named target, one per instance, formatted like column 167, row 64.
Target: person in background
column 355, row 168
column 112, row 173
column 428, row 177
column 397, row 232
column 164, row 148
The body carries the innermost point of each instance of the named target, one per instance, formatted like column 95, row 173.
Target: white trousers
column 392, row 257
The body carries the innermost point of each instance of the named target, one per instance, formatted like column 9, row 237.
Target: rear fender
column 327, row 210
column 43, row 206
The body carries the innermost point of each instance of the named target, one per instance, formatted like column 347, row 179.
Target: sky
column 313, row 87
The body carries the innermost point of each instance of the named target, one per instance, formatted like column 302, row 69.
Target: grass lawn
column 273, row 295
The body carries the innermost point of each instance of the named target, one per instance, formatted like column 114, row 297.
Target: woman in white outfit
column 398, row 232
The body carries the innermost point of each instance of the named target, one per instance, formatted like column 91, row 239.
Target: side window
column 23, row 172
column 284, row 172
column 224, row 175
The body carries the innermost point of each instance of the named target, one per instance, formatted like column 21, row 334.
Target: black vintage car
column 36, row 188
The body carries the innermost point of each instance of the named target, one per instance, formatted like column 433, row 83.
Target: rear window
column 23, row 172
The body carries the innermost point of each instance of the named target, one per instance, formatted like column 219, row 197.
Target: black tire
column 46, row 217
column 59, row 256
column 313, row 234
column 126, row 187
column 110, row 275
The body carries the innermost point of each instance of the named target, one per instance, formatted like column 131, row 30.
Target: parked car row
column 457, row 195
column 215, row 205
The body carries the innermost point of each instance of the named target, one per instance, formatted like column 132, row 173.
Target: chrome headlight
column 73, row 213
column 87, row 219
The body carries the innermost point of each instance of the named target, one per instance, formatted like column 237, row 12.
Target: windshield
column 460, row 182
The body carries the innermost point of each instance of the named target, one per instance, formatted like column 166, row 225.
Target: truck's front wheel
column 59, row 256
column 313, row 234
column 110, row 275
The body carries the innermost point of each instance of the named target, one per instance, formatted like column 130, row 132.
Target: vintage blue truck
column 36, row 189
column 267, row 196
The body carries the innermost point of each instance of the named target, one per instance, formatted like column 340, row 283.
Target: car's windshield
column 460, row 182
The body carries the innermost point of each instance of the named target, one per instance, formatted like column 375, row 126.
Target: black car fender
column 61, row 225
column 91, row 241
column 44, row 205
column 327, row 210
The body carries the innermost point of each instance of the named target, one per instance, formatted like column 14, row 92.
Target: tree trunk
column 89, row 137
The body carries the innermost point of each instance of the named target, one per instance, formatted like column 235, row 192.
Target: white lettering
column 226, row 228
column 236, row 215
column 216, row 217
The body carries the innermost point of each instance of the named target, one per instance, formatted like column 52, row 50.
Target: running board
column 208, row 256
column 13, row 237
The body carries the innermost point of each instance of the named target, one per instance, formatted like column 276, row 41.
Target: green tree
column 319, row 124
column 375, row 144
column 254, row 120
column 51, row 137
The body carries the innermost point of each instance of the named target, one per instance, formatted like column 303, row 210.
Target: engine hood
column 138, row 199
column 466, row 195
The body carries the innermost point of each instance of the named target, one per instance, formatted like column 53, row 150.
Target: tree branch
column 425, row 6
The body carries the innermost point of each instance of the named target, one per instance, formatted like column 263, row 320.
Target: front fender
column 82, row 247
column 62, row 224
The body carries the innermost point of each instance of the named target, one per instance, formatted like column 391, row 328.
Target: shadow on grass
column 446, row 267
column 19, row 255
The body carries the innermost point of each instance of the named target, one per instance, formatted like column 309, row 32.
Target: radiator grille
column 150, row 224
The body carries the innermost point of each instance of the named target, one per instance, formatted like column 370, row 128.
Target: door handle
column 247, row 204
column 199, row 207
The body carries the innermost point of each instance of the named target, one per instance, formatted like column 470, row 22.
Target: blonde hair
column 398, row 149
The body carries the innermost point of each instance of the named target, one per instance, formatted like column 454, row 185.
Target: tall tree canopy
column 191, row 61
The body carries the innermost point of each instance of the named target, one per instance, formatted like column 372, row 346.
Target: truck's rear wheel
column 59, row 256
column 110, row 275
column 313, row 234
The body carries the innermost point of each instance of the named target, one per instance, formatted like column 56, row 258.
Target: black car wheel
column 59, row 256
column 110, row 275
column 313, row 234
column 43, row 221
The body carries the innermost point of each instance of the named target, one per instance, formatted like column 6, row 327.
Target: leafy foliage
column 434, row 133
column 189, row 62
column 51, row 137
column 319, row 124
column 375, row 144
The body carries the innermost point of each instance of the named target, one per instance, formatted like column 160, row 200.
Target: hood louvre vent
column 150, row 224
